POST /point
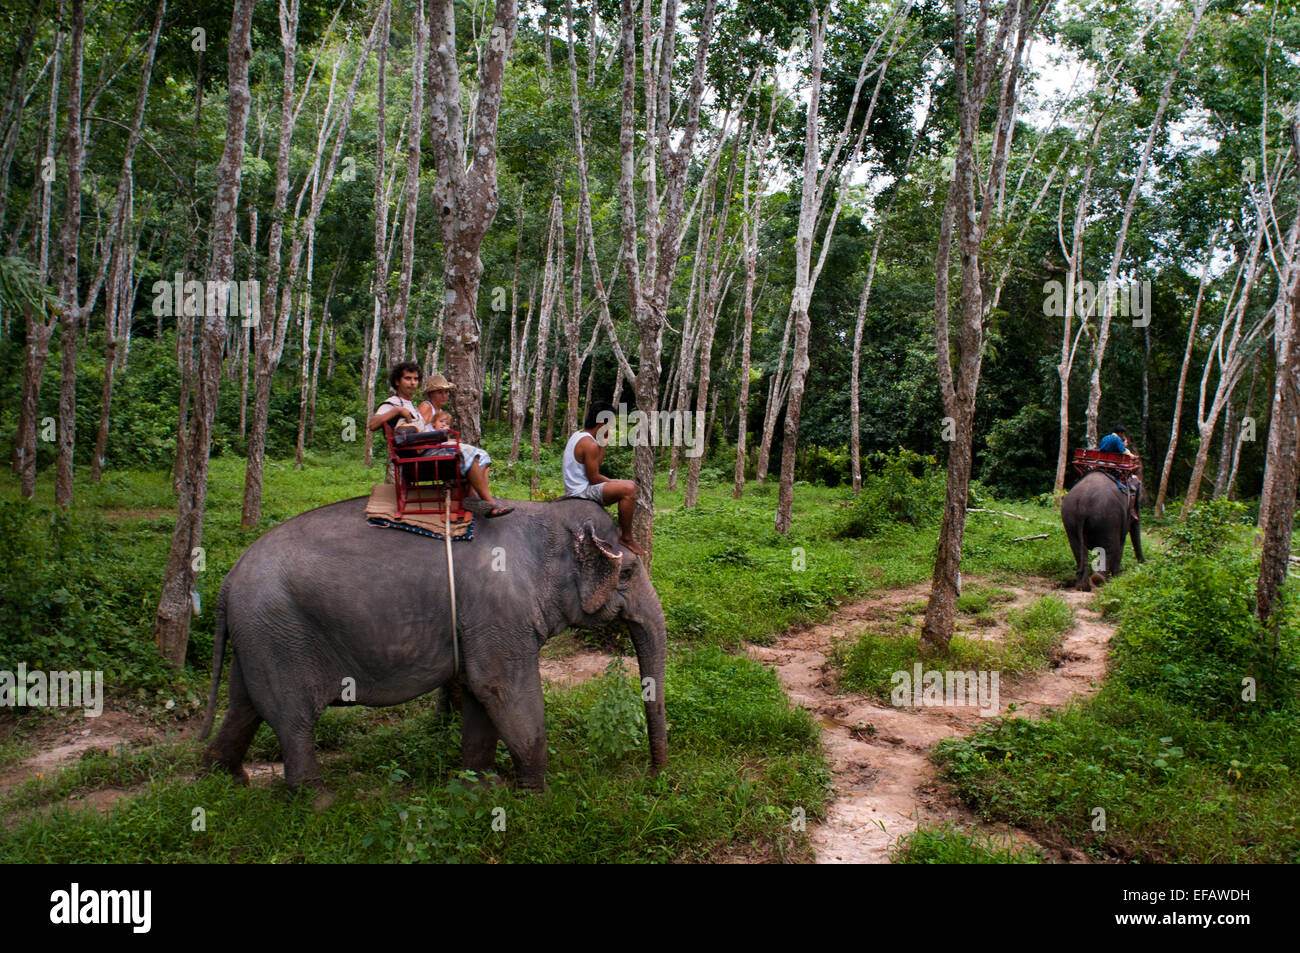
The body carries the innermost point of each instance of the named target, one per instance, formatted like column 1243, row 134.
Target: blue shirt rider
column 1117, row 442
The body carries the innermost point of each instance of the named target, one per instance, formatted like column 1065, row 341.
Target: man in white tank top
column 580, row 467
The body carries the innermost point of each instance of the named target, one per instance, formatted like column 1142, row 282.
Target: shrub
column 616, row 724
column 904, row 487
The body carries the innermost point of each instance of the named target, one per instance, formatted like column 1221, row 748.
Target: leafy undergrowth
column 1190, row 752
column 742, row 760
column 1032, row 638
column 950, row 844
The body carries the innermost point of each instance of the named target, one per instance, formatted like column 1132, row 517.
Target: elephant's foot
column 482, row 778
column 322, row 797
column 213, row 762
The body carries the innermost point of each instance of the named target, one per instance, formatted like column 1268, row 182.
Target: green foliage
column 904, row 487
column 1185, row 766
column 742, row 760
column 72, row 598
column 868, row 663
column 1188, row 632
column 1019, row 460
column 1209, row 528
column 950, row 844
column 616, row 724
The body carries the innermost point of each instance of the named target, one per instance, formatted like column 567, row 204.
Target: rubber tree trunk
column 172, row 621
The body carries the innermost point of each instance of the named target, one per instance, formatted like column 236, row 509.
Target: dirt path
column 57, row 742
column 885, row 783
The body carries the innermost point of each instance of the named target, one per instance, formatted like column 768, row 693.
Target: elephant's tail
column 1081, row 566
column 218, row 659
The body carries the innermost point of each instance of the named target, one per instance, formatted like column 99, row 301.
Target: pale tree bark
column 518, row 345
column 1230, row 351
column 70, row 235
column 1225, row 449
column 958, row 385
column 396, row 329
column 274, row 318
column 814, row 192
column 1182, row 383
column 1103, row 330
column 555, row 378
column 1071, row 338
column 549, row 291
column 715, row 289
column 520, row 379
column 855, row 410
column 310, row 423
column 465, row 194
column 1277, row 508
column 379, row 279
column 679, row 374
column 1247, row 415
column 245, row 327
column 752, row 205
column 1106, row 91
column 369, row 368
column 116, row 246
column 171, row 625
column 39, row 328
column 383, row 253
column 586, row 232
column 777, row 389
column 649, row 284
column 304, row 369
column 1279, row 455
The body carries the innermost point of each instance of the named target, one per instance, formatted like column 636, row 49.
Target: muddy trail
column 885, row 783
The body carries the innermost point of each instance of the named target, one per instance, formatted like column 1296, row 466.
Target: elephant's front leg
column 513, row 701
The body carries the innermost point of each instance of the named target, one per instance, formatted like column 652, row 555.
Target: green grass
column 868, row 663
column 1182, row 767
column 1174, row 760
column 742, row 761
column 949, row 844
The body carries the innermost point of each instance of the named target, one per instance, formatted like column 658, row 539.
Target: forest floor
column 885, row 783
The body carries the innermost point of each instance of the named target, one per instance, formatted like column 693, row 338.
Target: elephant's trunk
column 650, row 637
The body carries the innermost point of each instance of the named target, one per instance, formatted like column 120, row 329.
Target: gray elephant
column 1096, row 515
column 326, row 609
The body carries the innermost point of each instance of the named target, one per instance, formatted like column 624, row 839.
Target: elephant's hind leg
column 478, row 749
column 231, row 743
column 295, row 726
column 518, row 712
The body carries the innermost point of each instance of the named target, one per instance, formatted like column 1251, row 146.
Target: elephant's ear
column 598, row 568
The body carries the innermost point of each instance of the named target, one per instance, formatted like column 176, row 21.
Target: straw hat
column 438, row 382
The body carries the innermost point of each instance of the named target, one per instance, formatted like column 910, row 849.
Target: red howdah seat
column 426, row 471
column 1118, row 463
